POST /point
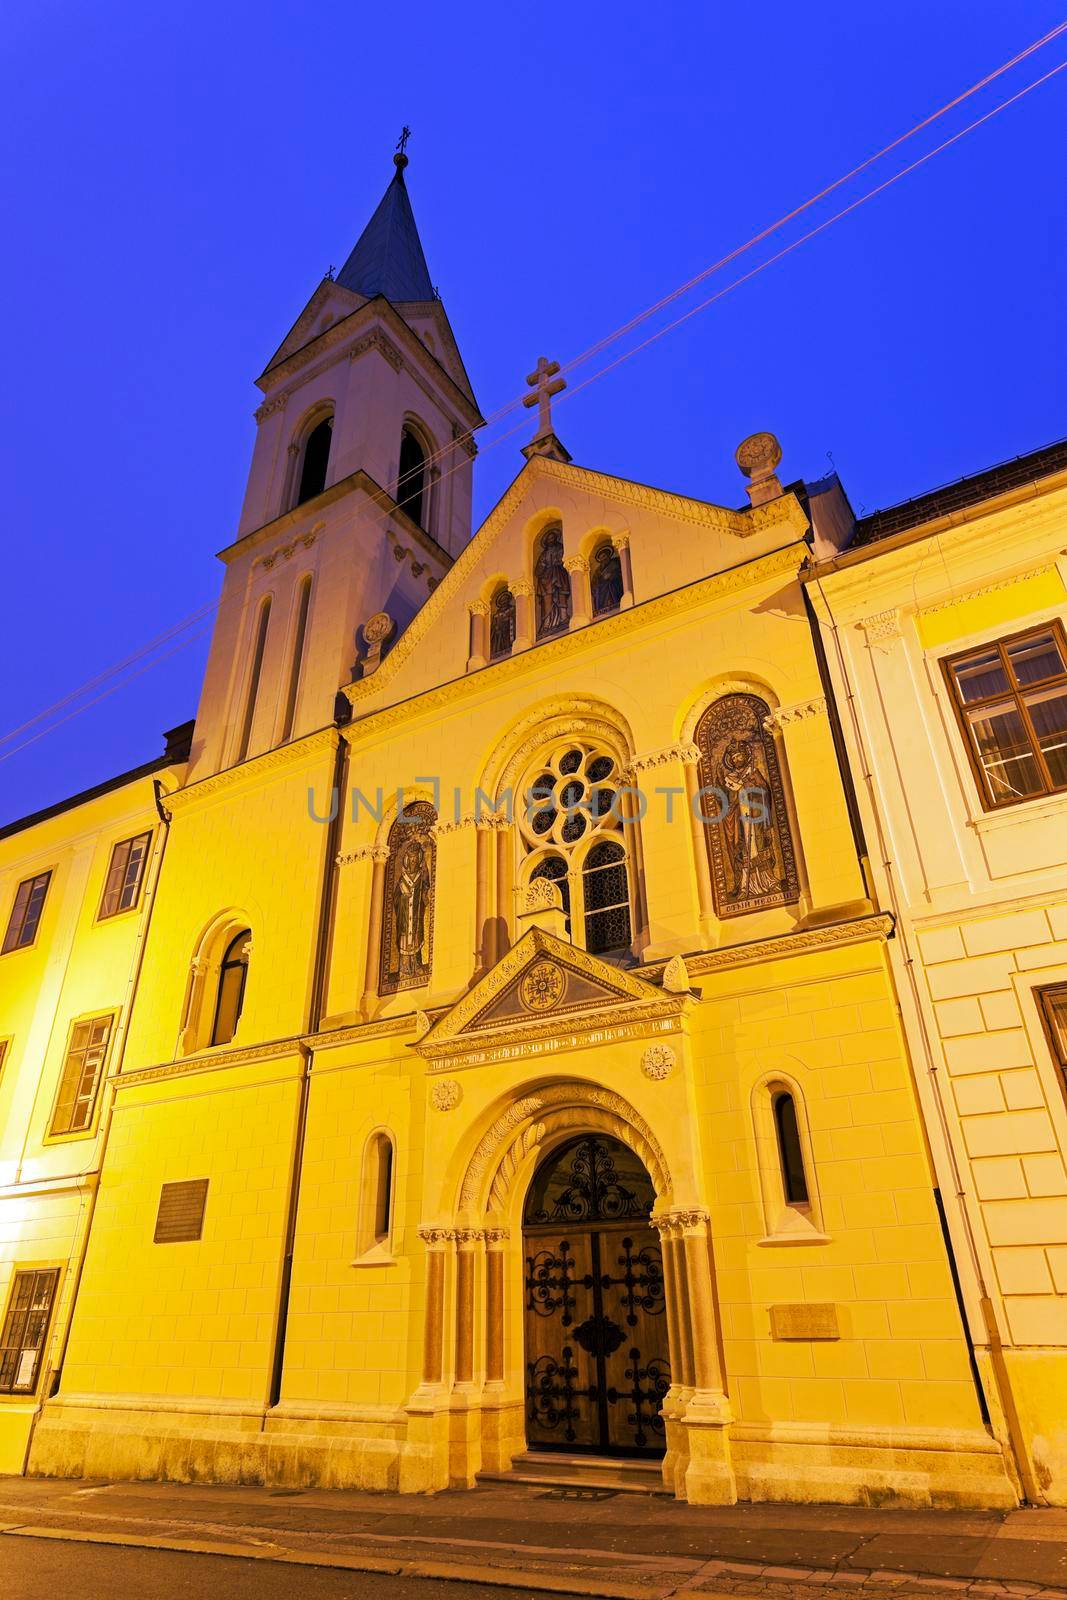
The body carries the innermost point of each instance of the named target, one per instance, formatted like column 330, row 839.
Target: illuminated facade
column 515, row 1073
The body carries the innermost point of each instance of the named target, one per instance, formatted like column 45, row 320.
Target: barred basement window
column 82, row 1072
column 29, row 1311
column 125, row 874
column 1010, row 699
column 26, row 912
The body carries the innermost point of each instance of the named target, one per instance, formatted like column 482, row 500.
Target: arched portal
column 597, row 1365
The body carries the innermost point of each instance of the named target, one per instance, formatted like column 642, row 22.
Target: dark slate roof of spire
column 388, row 256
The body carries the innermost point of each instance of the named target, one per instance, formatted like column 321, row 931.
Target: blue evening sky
column 177, row 179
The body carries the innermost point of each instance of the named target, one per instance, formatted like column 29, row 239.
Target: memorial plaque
column 180, row 1217
column 804, row 1322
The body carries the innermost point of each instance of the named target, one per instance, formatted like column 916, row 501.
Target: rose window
column 571, row 824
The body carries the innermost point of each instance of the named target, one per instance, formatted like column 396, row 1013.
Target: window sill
column 811, row 1236
column 1040, row 807
column 378, row 1257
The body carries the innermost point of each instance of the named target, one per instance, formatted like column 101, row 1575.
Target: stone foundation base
column 429, row 1448
column 870, row 1467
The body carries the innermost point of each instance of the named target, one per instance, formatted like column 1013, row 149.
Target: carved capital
column 883, row 627
column 468, row 1238
column 496, row 1237
column 269, row 407
column 479, row 608
column 522, row 586
column 692, row 1221
column 649, row 760
column 802, row 711
column 435, row 1238
column 620, row 542
column 576, row 563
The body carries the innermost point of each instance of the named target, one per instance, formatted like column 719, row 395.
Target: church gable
column 542, row 981
column 508, row 583
column 329, row 305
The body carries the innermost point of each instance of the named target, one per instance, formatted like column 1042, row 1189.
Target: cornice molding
column 962, row 599
column 209, row 1061
column 683, row 752
column 746, row 575
column 293, row 754
column 284, row 551
column 878, row 926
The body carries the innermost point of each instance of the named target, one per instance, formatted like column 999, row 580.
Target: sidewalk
column 626, row 1546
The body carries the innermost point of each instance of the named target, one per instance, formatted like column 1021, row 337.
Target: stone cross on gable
column 540, row 381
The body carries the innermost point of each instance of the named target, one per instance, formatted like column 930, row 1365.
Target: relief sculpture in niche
column 753, row 863
column 552, row 585
column 407, row 913
column 605, row 580
column 501, row 624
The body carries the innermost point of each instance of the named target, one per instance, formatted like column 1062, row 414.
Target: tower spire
column 388, row 258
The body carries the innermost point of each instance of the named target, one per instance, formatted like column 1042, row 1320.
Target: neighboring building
column 944, row 631
column 448, row 1136
column 76, row 888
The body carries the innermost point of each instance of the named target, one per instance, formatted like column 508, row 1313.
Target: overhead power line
column 138, row 659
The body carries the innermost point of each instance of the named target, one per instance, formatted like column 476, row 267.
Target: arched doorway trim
column 548, row 1116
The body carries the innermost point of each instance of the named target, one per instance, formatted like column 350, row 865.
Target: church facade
column 515, row 1075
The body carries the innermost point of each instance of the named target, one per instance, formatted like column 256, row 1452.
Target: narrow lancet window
column 233, row 976
column 258, row 648
column 790, row 1151
column 302, row 605
column 316, row 460
column 411, row 487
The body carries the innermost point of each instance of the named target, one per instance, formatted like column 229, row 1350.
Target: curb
column 443, row 1571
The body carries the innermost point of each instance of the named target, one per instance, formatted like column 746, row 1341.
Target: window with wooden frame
column 29, row 1312
column 1052, row 1003
column 1010, row 699
column 82, row 1072
column 122, row 889
column 26, row 912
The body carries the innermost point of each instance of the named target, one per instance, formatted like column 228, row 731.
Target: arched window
column 571, row 828
column 411, row 479
column 230, row 996
column 501, row 623
column 605, row 579
column 303, row 604
column 551, row 584
column 607, row 898
column 753, row 863
column 406, row 956
column 316, row 460
column 790, row 1151
column 376, row 1197
column 258, row 647
column 788, row 1180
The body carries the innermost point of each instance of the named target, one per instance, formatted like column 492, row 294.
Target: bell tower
column 358, row 496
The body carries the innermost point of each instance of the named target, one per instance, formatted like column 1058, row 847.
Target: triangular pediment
column 543, row 983
column 330, row 304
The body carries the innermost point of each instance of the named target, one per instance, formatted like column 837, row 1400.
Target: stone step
column 559, row 1471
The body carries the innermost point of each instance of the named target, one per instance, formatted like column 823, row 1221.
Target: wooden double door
column 597, row 1361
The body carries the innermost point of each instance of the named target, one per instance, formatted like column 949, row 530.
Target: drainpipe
column 54, row 1378
column 1016, row 1440
column 316, row 1003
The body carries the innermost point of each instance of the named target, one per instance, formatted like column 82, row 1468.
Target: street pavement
column 536, row 1539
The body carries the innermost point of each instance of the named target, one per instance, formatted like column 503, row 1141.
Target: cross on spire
column 545, row 384
column 402, row 142
column 540, row 381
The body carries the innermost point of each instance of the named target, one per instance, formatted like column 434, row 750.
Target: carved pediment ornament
column 545, row 988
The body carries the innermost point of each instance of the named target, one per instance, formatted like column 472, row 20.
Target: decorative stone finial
column 676, row 976
column 377, row 630
column 757, row 456
column 542, row 907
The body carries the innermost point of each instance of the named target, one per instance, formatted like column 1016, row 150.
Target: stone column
column 468, row 1242
column 709, row 1477
column 523, row 592
column 621, row 541
column 701, row 866
column 479, row 635
column 483, row 856
column 676, row 1458
column 379, row 855
column 581, row 604
column 505, row 873
column 437, row 1242
column 495, row 1245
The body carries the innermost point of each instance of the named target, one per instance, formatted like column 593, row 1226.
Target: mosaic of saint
column 753, row 863
column 552, row 585
column 407, row 913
